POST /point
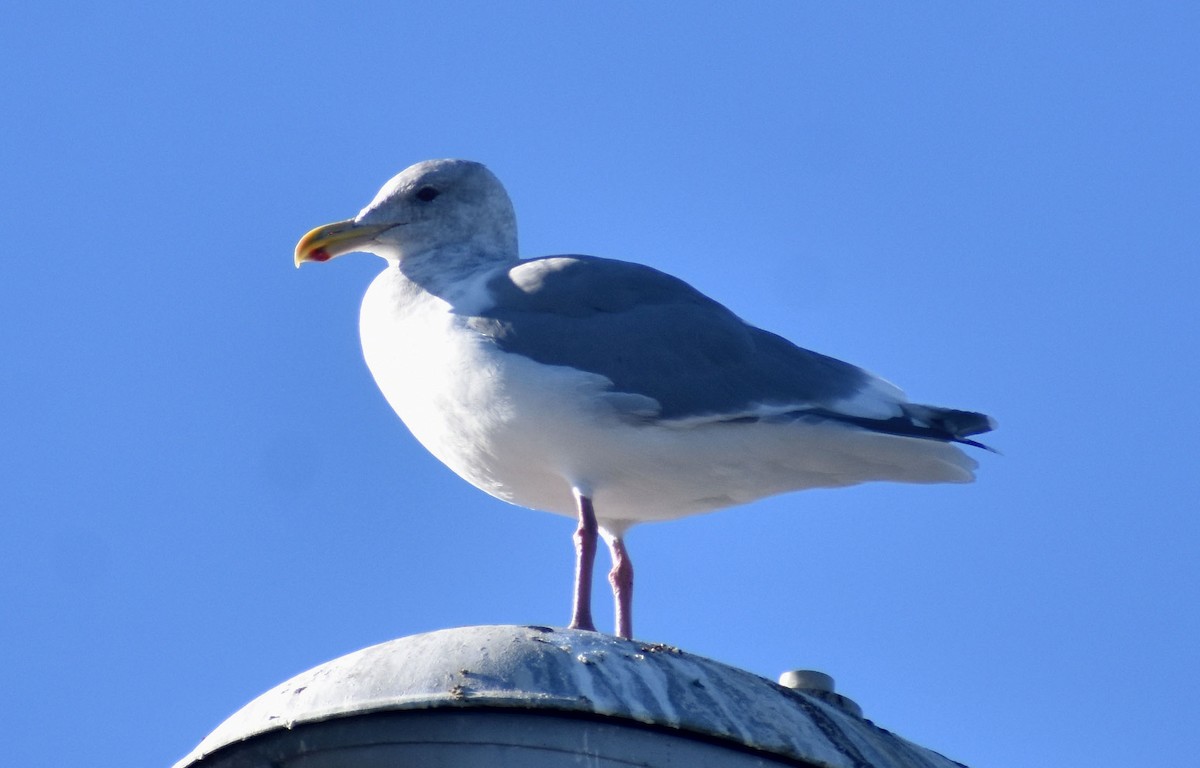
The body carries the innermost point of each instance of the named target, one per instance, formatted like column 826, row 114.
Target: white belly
column 528, row 433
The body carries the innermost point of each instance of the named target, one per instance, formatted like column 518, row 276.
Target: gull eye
column 425, row 194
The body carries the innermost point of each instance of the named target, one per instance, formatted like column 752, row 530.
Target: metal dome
column 536, row 692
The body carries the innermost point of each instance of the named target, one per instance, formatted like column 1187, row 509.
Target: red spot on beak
column 319, row 255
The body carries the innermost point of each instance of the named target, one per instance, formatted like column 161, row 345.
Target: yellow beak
column 324, row 243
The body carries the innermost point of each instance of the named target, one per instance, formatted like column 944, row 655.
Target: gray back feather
column 655, row 336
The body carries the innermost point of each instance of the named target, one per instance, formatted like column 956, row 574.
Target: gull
column 604, row 390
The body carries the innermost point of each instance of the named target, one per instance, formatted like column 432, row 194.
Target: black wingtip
column 926, row 422
column 977, row 444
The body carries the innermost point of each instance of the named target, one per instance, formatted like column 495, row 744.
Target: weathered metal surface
column 559, row 671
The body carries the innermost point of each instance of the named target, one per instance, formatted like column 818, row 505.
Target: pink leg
column 621, row 578
column 585, row 558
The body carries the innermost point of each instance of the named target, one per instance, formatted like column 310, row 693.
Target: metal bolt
column 818, row 685
column 807, row 680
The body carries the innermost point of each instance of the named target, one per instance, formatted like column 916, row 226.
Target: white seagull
column 604, row 390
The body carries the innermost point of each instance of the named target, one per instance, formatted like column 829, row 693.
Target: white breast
column 502, row 422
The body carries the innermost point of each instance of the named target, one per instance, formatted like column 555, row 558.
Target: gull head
column 453, row 208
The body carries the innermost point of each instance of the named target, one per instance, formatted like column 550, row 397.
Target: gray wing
column 663, row 343
column 655, row 336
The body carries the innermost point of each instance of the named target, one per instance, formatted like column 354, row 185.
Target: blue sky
column 993, row 205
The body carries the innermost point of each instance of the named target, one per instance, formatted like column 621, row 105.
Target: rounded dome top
column 563, row 671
